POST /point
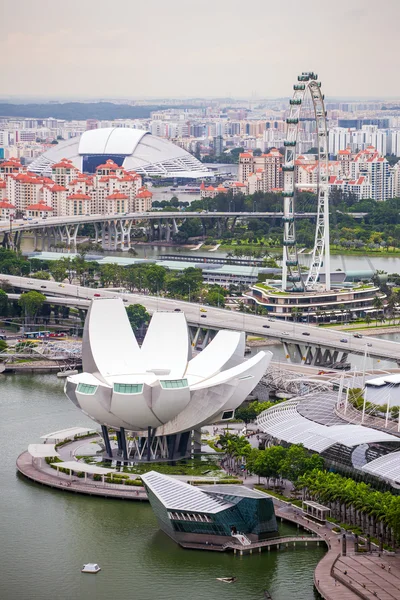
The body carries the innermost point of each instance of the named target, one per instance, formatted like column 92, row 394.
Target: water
column 46, row 535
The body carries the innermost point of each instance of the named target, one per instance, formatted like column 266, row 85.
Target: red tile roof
column 118, row 196
column 5, row 204
column 79, row 196
column 38, row 206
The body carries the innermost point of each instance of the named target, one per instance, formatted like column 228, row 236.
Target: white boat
column 227, row 579
column 67, row 373
column 90, row 568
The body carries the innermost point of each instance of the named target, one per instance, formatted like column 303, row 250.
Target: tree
column 296, row 462
column 137, row 315
column 155, row 278
column 377, row 304
column 41, row 275
column 3, row 303
column 31, row 303
column 3, row 345
column 214, row 298
column 267, row 463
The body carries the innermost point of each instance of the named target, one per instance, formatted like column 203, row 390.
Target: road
column 36, row 223
column 219, row 318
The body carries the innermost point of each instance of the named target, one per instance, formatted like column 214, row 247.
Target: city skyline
column 160, row 50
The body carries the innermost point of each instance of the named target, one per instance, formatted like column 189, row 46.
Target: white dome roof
column 139, row 150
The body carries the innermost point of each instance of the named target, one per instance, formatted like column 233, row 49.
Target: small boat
column 267, row 595
column 227, row 579
column 67, row 373
column 90, row 568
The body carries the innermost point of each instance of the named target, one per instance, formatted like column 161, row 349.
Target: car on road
column 267, row 326
column 177, row 310
column 369, row 344
column 96, row 295
column 203, row 316
column 357, row 335
column 344, row 340
column 285, row 333
column 305, row 333
column 203, row 310
column 61, row 285
column 43, row 287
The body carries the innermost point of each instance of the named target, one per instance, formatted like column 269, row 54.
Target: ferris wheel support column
column 327, row 247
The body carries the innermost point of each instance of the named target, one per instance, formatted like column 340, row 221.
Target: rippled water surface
column 47, row 535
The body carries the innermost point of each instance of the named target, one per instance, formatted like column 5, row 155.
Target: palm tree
column 377, row 304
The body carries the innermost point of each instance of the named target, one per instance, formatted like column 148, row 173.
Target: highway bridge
column 317, row 345
column 114, row 231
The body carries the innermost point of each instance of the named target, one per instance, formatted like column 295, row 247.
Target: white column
column 364, row 404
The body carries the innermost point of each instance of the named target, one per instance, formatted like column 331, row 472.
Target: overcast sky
column 136, row 48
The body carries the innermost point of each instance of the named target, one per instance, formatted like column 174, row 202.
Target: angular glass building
column 211, row 515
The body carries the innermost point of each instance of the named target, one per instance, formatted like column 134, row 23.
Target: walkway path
column 344, row 577
column 75, row 484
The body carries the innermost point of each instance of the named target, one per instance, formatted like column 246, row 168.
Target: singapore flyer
column 307, row 89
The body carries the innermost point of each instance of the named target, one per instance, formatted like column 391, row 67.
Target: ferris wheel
column 308, row 88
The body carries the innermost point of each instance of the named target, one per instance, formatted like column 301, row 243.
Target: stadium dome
column 134, row 149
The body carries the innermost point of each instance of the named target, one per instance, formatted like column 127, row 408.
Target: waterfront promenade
column 350, row 577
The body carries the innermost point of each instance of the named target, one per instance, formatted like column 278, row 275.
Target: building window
column 128, row 388
column 86, row 388
column 168, row 384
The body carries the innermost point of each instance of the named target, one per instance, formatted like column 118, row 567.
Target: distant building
column 212, row 515
column 218, row 142
column 267, row 166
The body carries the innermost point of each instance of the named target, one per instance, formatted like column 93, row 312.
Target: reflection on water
column 47, row 535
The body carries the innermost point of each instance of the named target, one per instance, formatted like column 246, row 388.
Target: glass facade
column 246, row 515
column 91, row 161
column 128, row 388
column 173, row 384
column 85, row 388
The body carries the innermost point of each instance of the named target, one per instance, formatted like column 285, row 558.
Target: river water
column 46, row 535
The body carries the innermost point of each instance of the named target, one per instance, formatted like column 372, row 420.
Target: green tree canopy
column 3, row 303
column 41, row 275
column 31, row 303
column 137, row 315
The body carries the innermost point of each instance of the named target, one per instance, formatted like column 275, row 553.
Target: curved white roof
column 285, row 423
column 144, row 153
column 386, row 467
column 110, row 140
column 175, row 494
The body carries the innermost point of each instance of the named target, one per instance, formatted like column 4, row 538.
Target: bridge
column 314, row 344
column 114, row 231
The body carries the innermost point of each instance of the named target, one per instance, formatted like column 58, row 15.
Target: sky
column 182, row 48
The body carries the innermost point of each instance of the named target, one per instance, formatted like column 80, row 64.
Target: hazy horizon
column 96, row 50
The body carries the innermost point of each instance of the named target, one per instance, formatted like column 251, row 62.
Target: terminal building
column 211, row 515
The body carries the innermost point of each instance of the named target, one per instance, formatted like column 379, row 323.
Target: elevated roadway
column 39, row 224
column 208, row 317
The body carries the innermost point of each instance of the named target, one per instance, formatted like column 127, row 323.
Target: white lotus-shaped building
column 158, row 390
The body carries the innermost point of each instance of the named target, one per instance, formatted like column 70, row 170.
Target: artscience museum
column 156, row 397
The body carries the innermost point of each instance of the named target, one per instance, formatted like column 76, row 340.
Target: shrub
column 135, row 482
